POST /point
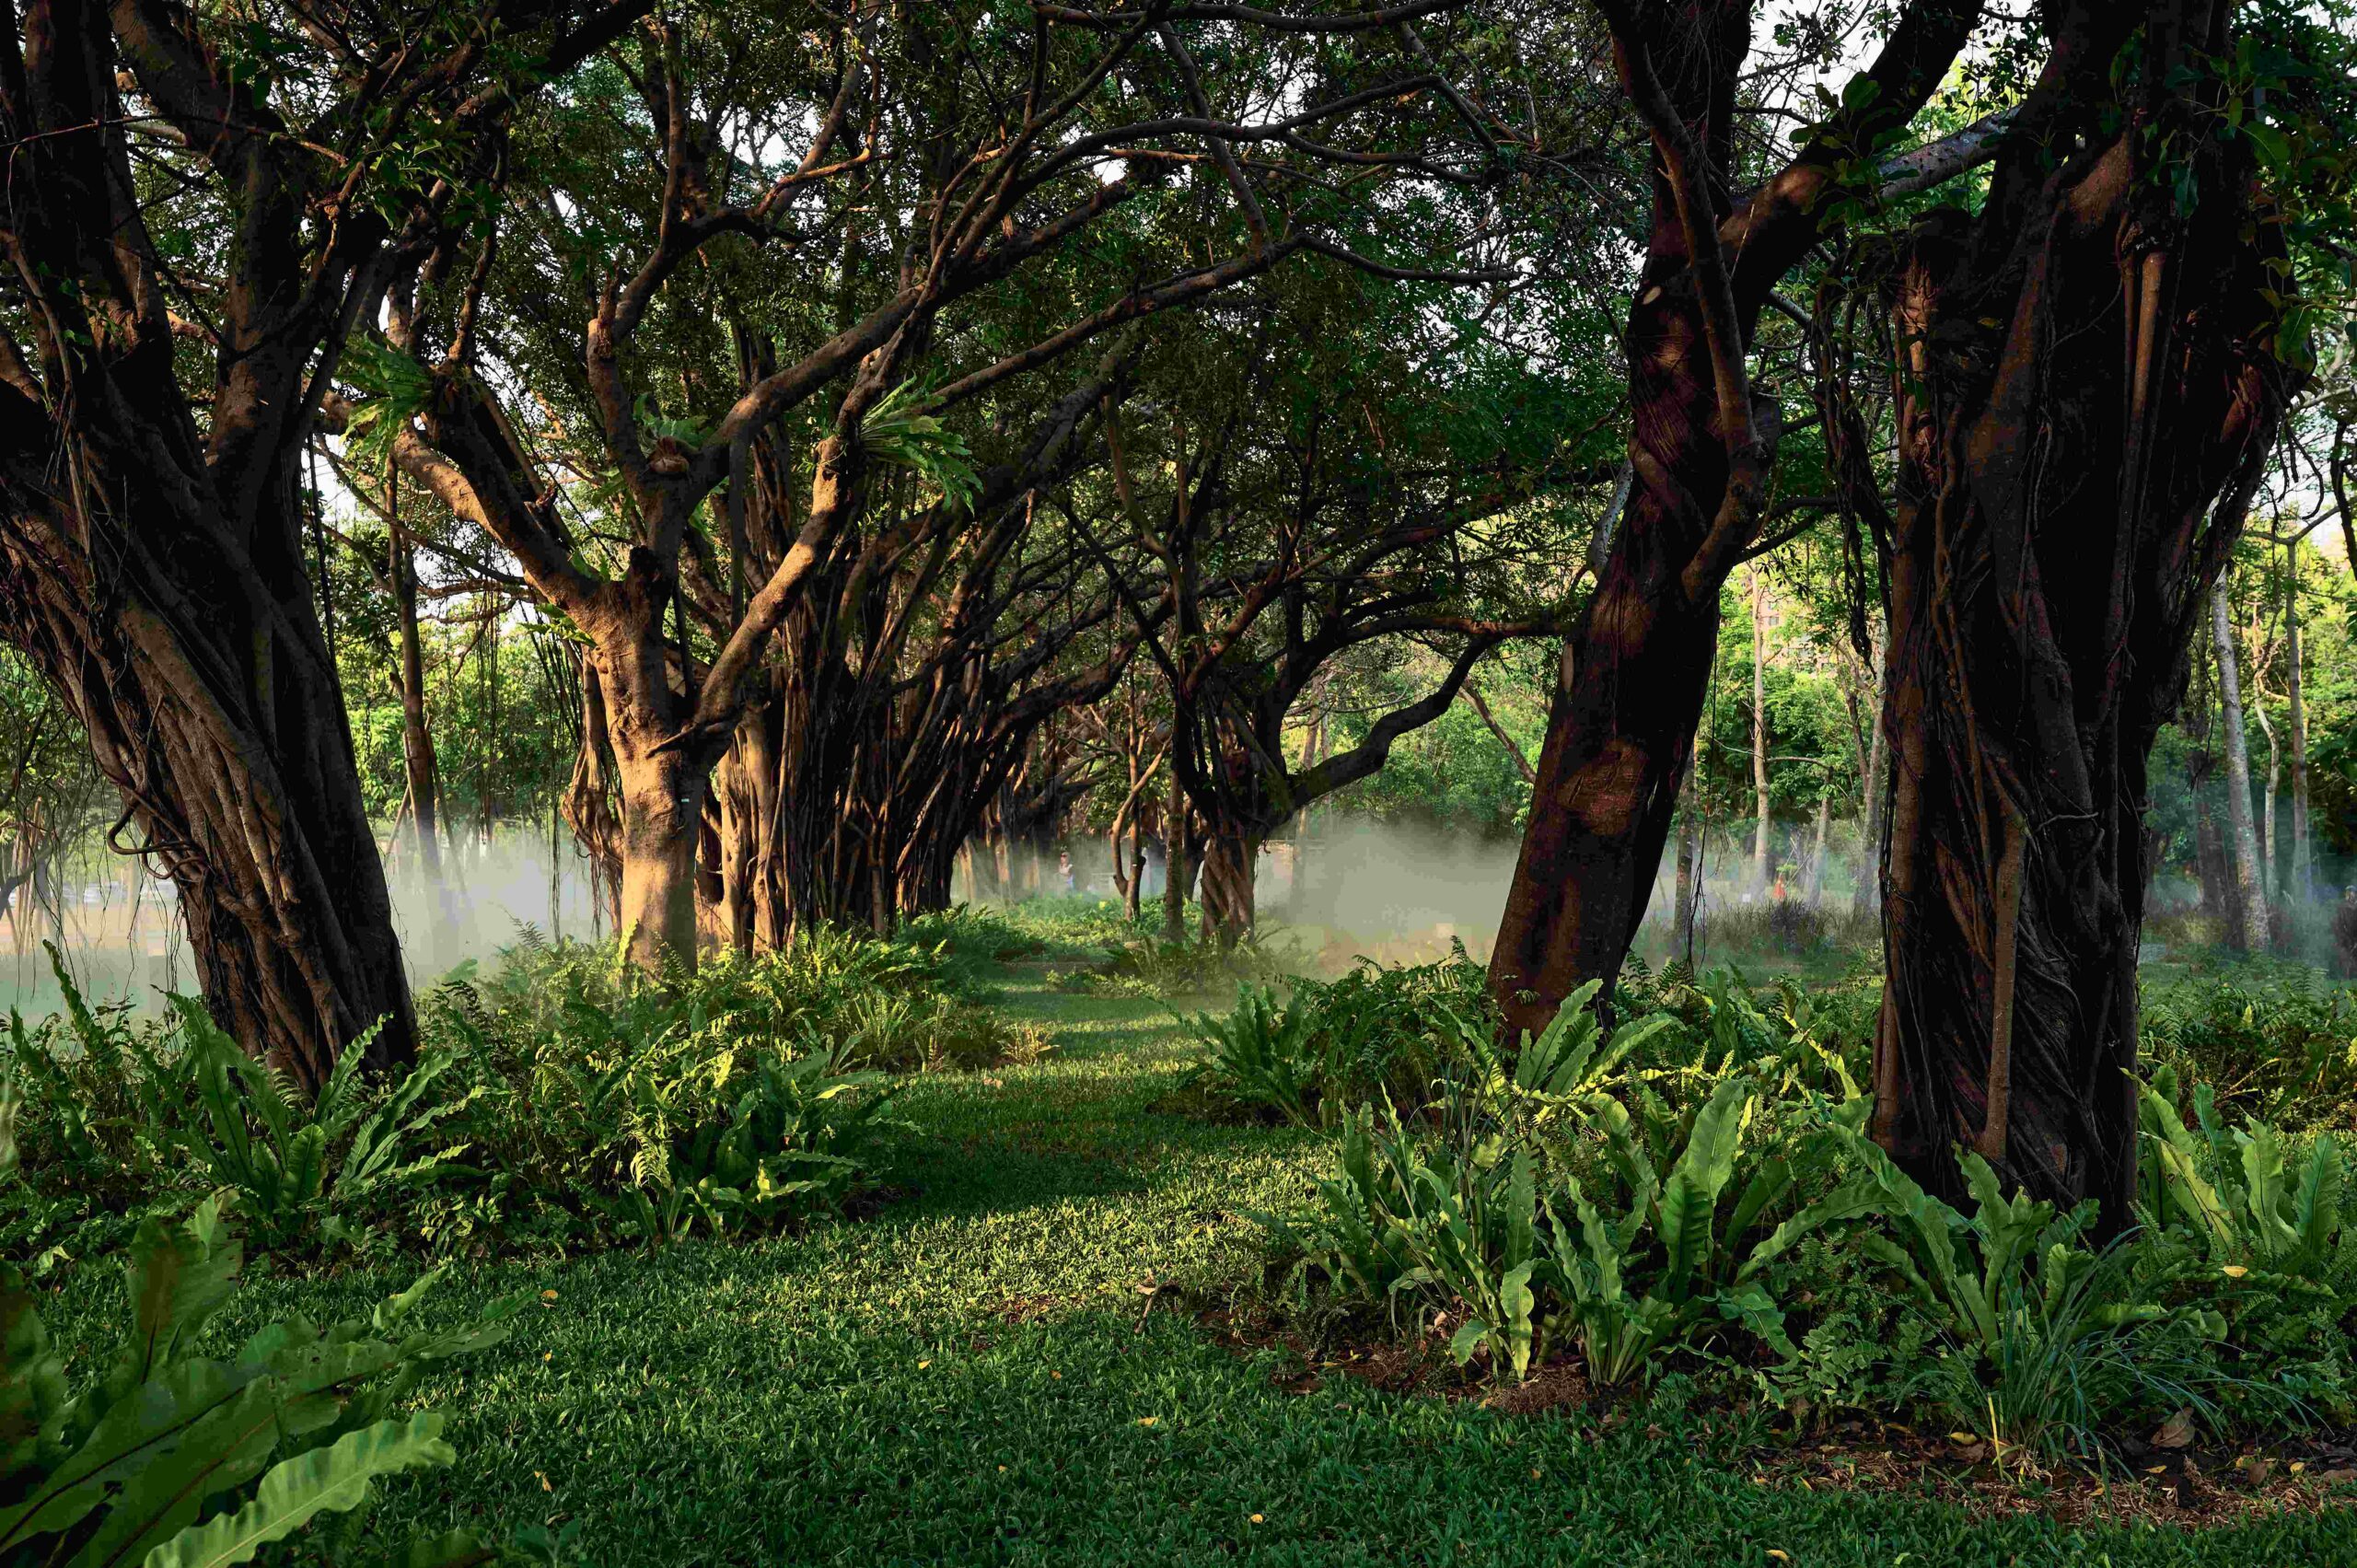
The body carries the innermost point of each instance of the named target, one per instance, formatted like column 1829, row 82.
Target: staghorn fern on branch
column 899, row 430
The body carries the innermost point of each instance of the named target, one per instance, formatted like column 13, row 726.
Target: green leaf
column 1691, row 1193
column 328, row 1479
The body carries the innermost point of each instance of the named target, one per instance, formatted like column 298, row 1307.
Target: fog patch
column 1390, row 891
column 122, row 941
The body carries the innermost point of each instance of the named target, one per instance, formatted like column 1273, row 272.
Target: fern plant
column 1658, row 1266
column 395, row 389
column 900, row 431
column 2052, row 1335
column 177, row 1460
column 1445, row 1222
column 301, row 1171
column 1263, row 1054
column 2239, row 1191
column 1553, row 1072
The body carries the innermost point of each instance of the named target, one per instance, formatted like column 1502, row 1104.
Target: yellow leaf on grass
column 1256, row 1519
column 1148, row 1419
column 923, row 1364
column 2234, row 1271
column 1779, row 1554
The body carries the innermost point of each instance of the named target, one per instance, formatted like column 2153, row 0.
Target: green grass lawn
column 974, row 1376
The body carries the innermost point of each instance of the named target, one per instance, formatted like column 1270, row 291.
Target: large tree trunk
column 151, row 563
column 1229, row 856
column 658, row 788
column 1621, row 726
column 1619, row 732
column 200, row 672
column 2247, row 923
column 2087, row 396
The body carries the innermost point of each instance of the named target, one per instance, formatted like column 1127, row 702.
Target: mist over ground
column 1353, row 887
column 120, row 930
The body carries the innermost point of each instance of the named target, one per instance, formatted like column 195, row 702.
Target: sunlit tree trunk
column 2246, row 922
column 1816, row 849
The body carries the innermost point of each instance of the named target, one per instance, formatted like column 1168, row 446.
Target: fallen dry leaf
column 2176, row 1432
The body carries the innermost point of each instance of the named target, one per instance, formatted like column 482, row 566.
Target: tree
column 946, row 155
column 2246, row 911
column 1283, row 549
column 1702, row 446
column 2115, row 298
column 197, row 211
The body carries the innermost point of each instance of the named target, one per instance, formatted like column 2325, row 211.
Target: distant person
column 1063, row 868
column 2344, row 935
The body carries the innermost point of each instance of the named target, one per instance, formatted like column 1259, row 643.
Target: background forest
column 1366, row 780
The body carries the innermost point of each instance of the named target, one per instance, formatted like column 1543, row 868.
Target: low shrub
column 2276, row 1042
column 174, row 1460
column 1148, row 965
column 1695, row 1188
column 1377, row 1031
column 555, row 1098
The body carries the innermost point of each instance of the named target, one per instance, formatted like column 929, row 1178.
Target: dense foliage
column 558, row 1101
column 1692, row 1190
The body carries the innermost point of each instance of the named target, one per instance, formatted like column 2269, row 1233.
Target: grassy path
column 969, row 1379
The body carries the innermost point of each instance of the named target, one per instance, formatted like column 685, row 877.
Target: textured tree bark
column 2247, row 920
column 2087, row 393
column 657, row 794
column 1621, row 727
column 1229, row 856
column 151, row 562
